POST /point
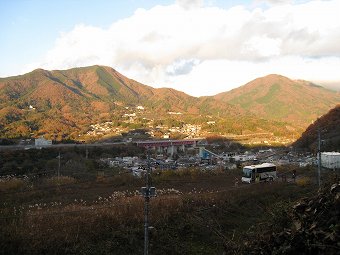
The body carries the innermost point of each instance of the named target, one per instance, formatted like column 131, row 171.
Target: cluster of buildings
column 122, row 161
column 202, row 158
column 165, row 156
column 189, row 130
column 133, row 115
column 130, row 116
column 104, row 129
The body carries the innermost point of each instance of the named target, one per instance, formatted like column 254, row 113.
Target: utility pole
column 58, row 166
column 147, row 192
column 87, row 152
column 319, row 157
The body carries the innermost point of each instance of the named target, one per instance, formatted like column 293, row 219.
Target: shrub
column 61, row 180
column 11, row 184
column 303, row 181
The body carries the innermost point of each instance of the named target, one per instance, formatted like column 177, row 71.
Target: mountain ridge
column 83, row 96
column 75, row 98
column 277, row 97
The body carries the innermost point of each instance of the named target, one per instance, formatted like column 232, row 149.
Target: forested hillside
column 62, row 104
column 329, row 126
column 276, row 97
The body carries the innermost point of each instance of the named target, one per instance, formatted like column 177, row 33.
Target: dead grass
column 61, row 180
column 303, row 181
column 186, row 220
column 12, row 184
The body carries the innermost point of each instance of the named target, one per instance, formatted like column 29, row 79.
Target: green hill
column 62, row 104
column 276, row 97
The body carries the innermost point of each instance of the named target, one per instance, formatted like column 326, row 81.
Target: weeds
column 303, row 181
column 60, row 180
column 10, row 183
column 193, row 213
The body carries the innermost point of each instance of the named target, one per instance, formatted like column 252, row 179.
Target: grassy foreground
column 194, row 213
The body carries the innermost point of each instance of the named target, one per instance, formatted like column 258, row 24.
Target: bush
column 303, row 181
column 11, row 184
column 61, row 180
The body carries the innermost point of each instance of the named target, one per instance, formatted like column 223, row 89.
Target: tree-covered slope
column 329, row 127
column 277, row 97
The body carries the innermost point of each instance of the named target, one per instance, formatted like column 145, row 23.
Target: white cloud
column 203, row 50
column 214, row 76
column 189, row 4
column 275, row 2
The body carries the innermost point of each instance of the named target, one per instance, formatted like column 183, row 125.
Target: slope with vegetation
column 194, row 212
column 62, row 104
column 275, row 97
column 311, row 226
column 329, row 127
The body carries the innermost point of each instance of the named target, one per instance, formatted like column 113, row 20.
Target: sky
column 195, row 46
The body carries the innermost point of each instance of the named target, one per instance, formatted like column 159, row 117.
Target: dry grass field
column 194, row 212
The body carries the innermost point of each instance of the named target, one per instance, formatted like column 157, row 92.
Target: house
column 330, row 160
column 41, row 142
column 114, row 162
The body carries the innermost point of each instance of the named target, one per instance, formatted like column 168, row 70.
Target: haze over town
column 198, row 47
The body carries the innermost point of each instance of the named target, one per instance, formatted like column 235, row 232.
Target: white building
column 330, row 160
column 243, row 157
column 42, row 142
column 129, row 160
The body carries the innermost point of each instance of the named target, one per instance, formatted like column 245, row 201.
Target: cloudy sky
column 199, row 47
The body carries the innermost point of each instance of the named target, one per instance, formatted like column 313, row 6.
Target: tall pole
column 319, row 157
column 59, row 165
column 146, row 226
column 146, row 209
column 147, row 192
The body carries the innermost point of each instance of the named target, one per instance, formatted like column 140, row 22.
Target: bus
column 259, row 173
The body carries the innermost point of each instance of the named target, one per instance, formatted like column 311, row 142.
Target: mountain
column 64, row 103
column 80, row 87
column 329, row 126
column 99, row 87
column 276, row 97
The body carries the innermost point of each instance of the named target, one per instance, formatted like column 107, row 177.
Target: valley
column 165, row 127
column 96, row 102
column 79, row 147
